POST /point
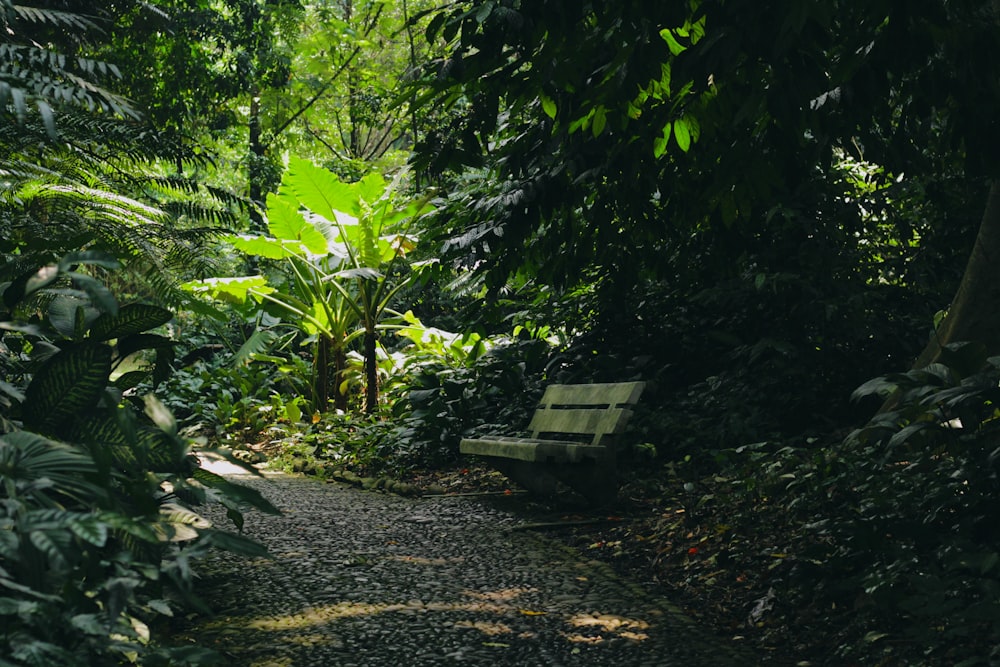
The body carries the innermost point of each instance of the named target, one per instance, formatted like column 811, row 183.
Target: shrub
column 98, row 529
column 891, row 533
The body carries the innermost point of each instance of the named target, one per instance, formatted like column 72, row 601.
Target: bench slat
column 608, row 393
column 596, row 423
column 539, row 451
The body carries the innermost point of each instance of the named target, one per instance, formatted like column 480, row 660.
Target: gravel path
column 372, row 580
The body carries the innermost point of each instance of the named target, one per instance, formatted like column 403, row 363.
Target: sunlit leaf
column 549, row 106
column 264, row 246
column 676, row 48
column 320, row 190
column 600, row 120
column 236, row 290
column 287, row 223
column 682, row 134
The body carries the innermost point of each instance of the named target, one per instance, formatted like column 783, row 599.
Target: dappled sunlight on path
column 366, row 579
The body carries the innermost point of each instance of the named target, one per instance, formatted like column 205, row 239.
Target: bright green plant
column 345, row 245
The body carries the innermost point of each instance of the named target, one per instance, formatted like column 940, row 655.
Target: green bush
column 891, row 542
column 98, row 531
column 922, row 481
column 438, row 392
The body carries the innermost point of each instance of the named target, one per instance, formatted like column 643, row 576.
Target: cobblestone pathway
column 371, row 580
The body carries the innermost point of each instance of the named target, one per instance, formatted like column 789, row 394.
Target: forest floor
column 681, row 546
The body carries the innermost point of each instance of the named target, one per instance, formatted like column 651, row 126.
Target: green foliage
column 887, row 542
column 234, row 402
column 341, row 243
column 42, row 65
column 444, row 387
column 922, row 481
column 98, row 528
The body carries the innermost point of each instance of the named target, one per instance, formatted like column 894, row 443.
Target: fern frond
column 54, row 17
column 202, row 214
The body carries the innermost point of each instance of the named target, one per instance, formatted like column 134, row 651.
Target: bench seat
column 530, row 449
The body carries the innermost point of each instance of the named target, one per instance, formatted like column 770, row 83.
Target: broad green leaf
column 131, row 319
column 600, row 120
column 21, row 327
column 286, row 223
column 549, row 107
column 89, row 257
column 67, row 385
column 229, row 289
column 371, row 188
column 661, row 142
column 11, row 607
column 103, row 435
column 99, row 294
column 659, row 147
column 160, row 414
column 236, row 544
column 38, row 457
column 579, row 123
column 676, row 48
column 89, row 624
column 265, row 246
column 320, row 323
column 484, row 11
column 320, row 190
column 130, row 380
column 293, row 413
column 53, row 544
column 243, row 495
column 180, row 524
column 11, row 391
column 682, row 134
column 66, row 311
column 694, row 128
column 162, row 451
column 90, row 529
column 42, row 278
column 161, row 607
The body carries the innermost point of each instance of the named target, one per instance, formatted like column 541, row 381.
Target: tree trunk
column 371, row 373
column 413, row 95
column 974, row 314
column 321, row 375
column 339, row 369
column 256, row 161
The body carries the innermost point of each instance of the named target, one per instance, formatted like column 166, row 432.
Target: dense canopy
column 344, row 234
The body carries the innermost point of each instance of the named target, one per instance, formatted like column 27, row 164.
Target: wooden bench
column 572, row 440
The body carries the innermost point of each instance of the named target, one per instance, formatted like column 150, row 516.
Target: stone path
column 371, row 580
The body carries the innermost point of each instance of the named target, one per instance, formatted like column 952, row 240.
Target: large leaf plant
column 345, row 245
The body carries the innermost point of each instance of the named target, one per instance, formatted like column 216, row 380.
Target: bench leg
column 532, row 476
column 596, row 482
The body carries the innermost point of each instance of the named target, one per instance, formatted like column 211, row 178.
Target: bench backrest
column 597, row 410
